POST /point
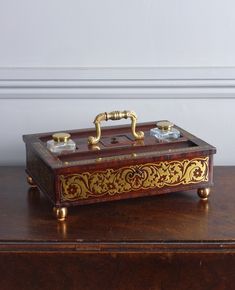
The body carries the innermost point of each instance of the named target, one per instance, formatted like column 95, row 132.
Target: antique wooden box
column 120, row 163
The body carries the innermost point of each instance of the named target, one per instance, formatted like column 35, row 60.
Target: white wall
column 90, row 33
column 63, row 62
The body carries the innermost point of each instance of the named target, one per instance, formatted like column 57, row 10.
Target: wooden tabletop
column 173, row 220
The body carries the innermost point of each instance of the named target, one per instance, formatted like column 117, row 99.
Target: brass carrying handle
column 115, row 115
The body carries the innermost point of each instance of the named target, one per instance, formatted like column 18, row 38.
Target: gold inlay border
column 110, row 182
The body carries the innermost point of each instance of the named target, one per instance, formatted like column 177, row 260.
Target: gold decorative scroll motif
column 111, row 182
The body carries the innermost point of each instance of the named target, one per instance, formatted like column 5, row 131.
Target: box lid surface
column 117, row 145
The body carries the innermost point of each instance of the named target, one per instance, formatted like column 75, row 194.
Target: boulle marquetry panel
column 138, row 177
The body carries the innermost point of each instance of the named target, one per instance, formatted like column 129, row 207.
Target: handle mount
column 115, row 115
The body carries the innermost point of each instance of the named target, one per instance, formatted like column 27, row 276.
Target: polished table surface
column 116, row 237
column 26, row 215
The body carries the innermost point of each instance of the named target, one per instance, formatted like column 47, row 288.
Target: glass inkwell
column 165, row 131
column 61, row 143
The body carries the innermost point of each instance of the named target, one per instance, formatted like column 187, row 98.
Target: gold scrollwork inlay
column 132, row 178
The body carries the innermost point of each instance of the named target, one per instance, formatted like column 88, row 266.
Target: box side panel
column 211, row 171
column 149, row 178
column 40, row 172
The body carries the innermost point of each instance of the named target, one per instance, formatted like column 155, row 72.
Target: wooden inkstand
column 122, row 163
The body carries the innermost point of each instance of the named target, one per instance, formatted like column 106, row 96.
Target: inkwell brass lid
column 164, row 125
column 61, row 137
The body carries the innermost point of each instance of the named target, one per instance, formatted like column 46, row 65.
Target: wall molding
column 116, row 82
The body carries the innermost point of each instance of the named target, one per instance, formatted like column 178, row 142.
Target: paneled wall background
column 63, row 62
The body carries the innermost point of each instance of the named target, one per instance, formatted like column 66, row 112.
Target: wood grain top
column 116, row 142
column 179, row 220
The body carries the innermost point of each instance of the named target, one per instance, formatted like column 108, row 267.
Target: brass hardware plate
column 117, row 140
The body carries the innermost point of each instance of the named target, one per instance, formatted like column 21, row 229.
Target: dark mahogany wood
column 174, row 241
column 46, row 168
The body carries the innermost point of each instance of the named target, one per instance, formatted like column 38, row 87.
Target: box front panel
column 134, row 180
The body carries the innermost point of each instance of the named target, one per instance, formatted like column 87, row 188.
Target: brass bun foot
column 60, row 213
column 204, row 193
column 31, row 182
